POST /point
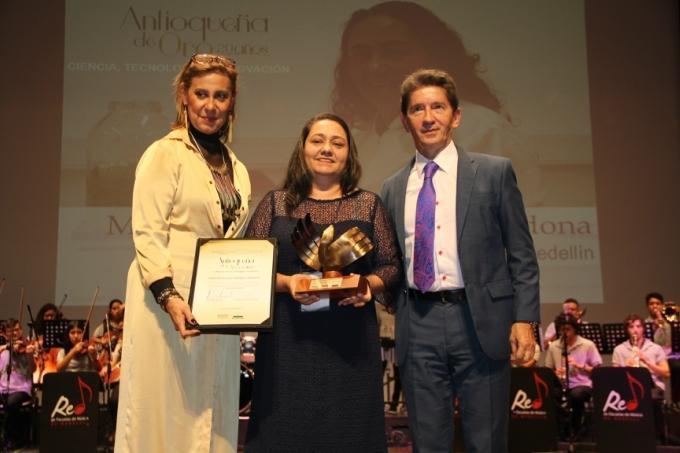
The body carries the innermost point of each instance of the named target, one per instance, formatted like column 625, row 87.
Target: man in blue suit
column 471, row 288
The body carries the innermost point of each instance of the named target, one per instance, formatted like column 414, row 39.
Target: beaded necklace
column 230, row 198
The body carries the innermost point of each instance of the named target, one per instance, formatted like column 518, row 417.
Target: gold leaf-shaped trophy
column 322, row 253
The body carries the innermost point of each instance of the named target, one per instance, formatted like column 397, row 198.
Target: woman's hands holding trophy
column 361, row 297
column 296, row 283
column 322, row 253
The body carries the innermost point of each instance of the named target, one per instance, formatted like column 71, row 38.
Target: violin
column 108, row 337
column 109, row 363
column 108, row 372
column 45, row 362
column 88, row 346
column 102, row 341
column 24, row 346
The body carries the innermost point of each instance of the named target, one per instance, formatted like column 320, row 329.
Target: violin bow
column 61, row 304
column 89, row 313
column 21, row 306
column 30, row 316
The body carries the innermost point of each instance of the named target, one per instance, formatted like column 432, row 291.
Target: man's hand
column 522, row 342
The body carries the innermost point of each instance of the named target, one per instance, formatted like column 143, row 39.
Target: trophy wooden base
column 333, row 282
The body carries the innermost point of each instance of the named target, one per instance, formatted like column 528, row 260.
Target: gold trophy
column 322, row 253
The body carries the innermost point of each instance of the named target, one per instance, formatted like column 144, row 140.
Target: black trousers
column 17, row 425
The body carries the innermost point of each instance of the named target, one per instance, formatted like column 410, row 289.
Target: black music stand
column 614, row 334
column 593, row 332
column 649, row 330
column 533, row 410
column 623, row 416
column 675, row 337
column 56, row 332
column 70, row 412
column 536, row 327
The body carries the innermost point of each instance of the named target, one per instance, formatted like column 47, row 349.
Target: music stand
column 56, row 332
column 649, row 330
column 77, row 425
column 593, row 332
column 614, row 334
column 3, row 323
column 675, row 337
column 538, row 336
column 628, row 425
column 532, row 410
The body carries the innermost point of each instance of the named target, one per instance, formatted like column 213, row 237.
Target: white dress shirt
column 446, row 263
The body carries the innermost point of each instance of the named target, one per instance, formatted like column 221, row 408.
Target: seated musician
column 571, row 307
column 108, row 337
column 113, row 327
column 16, row 390
column 638, row 351
column 46, row 359
column 117, row 353
column 661, row 327
column 48, row 312
column 78, row 355
column 3, row 336
column 582, row 357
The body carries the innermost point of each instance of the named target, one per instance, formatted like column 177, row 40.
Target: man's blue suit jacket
column 495, row 249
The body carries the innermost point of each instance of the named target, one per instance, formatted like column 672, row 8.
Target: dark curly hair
column 564, row 319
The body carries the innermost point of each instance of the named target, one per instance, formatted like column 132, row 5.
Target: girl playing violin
column 78, row 355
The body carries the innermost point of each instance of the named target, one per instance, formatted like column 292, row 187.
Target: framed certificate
column 232, row 288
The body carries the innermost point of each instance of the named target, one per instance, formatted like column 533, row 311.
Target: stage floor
column 399, row 441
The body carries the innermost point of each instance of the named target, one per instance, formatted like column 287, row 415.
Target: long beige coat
column 176, row 395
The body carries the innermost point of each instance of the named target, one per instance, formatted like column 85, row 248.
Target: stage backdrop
column 521, row 70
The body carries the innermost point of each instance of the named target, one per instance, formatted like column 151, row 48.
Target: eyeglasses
column 206, row 58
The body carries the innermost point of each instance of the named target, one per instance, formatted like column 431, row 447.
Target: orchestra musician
column 45, row 359
column 573, row 359
column 637, row 352
column 571, row 307
column 113, row 324
column 78, row 355
column 3, row 335
column 16, row 383
column 662, row 328
column 48, row 312
column 108, row 337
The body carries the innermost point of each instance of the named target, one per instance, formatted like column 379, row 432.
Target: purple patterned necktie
column 423, row 249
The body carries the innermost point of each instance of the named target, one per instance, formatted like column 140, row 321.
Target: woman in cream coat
column 179, row 390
